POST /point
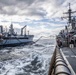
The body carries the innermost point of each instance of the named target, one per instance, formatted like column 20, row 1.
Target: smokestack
column 22, row 30
column 1, row 29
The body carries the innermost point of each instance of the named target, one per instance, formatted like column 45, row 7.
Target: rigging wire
column 39, row 39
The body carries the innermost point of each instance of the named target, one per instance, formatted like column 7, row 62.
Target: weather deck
column 70, row 54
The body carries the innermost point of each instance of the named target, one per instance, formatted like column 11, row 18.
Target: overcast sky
column 40, row 16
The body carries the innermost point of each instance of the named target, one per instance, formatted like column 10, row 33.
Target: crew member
column 59, row 42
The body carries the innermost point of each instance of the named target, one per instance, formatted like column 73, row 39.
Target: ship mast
column 70, row 12
column 71, row 22
column 11, row 30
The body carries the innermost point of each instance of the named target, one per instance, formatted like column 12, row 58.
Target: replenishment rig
column 11, row 38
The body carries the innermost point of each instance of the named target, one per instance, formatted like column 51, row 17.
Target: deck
column 70, row 54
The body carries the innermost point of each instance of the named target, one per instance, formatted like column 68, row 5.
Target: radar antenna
column 70, row 12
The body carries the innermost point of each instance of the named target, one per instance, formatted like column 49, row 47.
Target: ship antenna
column 69, row 6
column 70, row 12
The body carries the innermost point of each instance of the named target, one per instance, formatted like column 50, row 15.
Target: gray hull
column 15, row 41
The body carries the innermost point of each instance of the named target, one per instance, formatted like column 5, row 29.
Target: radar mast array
column 70, row 12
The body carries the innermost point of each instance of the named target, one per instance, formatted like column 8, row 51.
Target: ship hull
column 15, row 41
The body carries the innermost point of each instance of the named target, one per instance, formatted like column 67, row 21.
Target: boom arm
column 22, row 30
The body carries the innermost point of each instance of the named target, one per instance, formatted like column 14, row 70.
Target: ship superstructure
column 69, row 33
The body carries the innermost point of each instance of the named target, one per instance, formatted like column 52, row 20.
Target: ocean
column 27, row 59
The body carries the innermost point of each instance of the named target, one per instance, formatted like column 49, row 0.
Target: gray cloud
column 20, row 7
column 28, row 2
column 26, row 7
column 59, row 2
column 36, row 12
column 7, row 2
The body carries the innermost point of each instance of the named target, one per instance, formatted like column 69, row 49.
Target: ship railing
column 58, row 65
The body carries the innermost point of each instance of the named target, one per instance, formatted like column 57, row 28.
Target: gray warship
column 63, row 61
column 11, row 38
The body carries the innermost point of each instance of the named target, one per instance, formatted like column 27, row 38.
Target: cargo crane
column 22, row 30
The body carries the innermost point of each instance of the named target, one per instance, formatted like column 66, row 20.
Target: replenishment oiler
column 11, row 38
column 63, row 61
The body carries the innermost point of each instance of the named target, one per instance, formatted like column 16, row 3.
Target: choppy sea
column 27, row 59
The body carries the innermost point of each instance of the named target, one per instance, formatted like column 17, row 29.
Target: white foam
column 23, row 56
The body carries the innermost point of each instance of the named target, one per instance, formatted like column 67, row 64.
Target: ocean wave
column 27, row 60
